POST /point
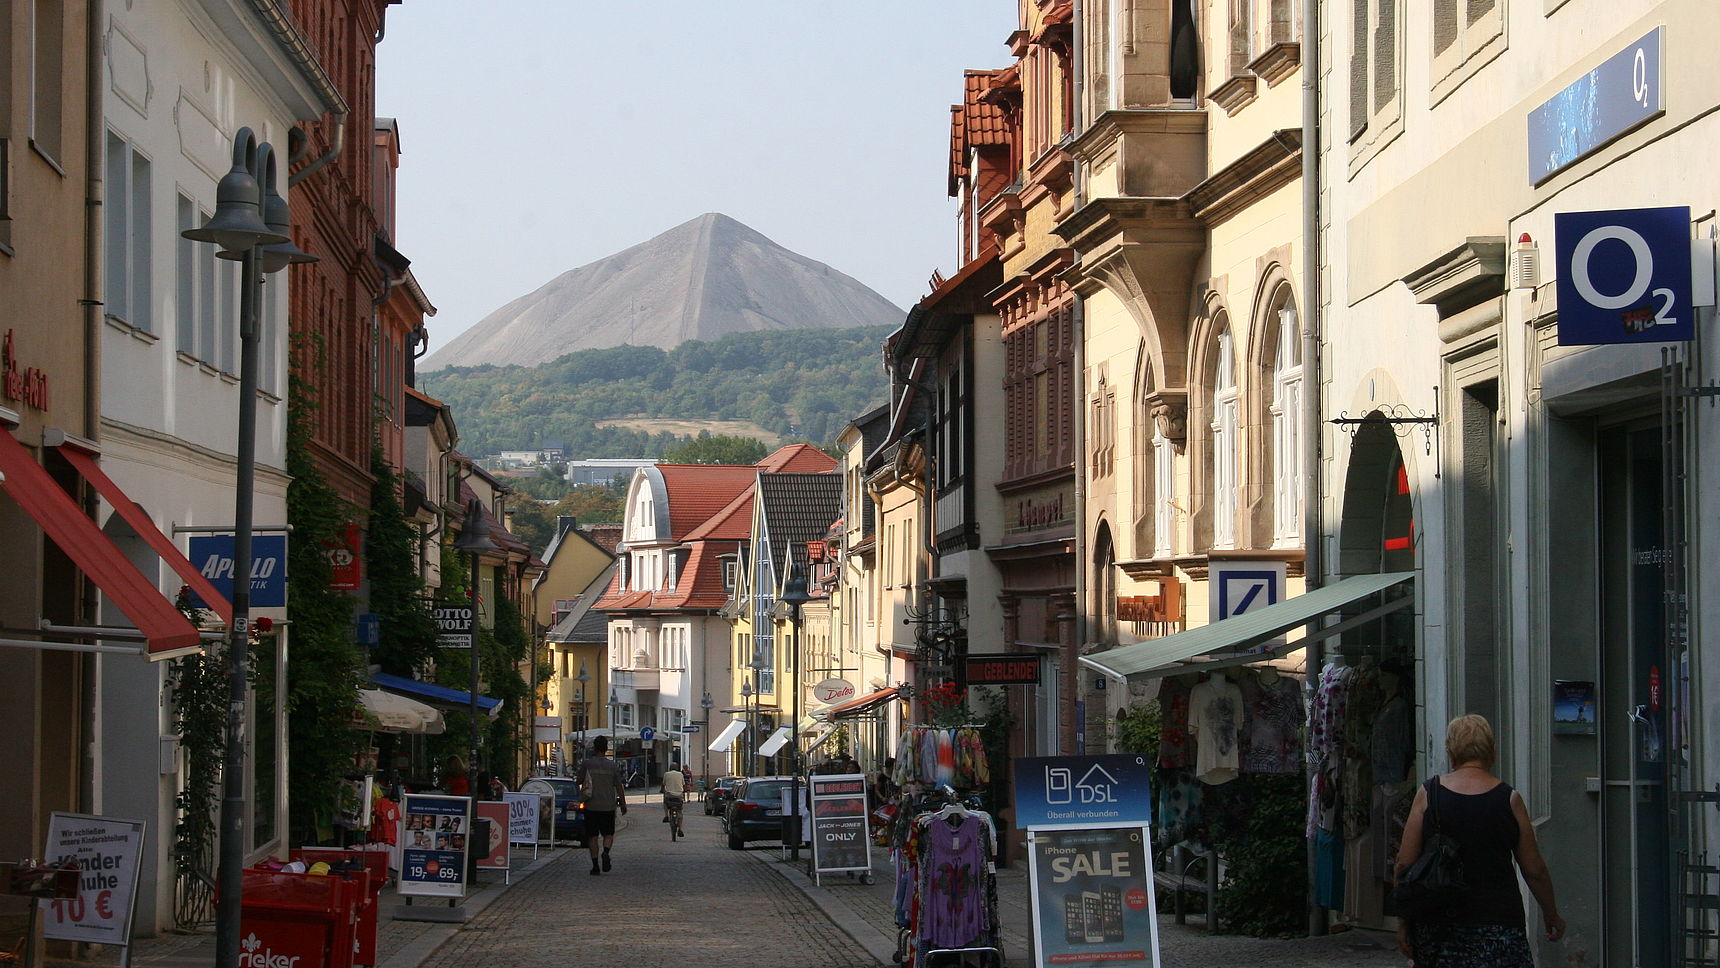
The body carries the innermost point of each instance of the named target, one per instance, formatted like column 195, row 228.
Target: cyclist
column 674, row 793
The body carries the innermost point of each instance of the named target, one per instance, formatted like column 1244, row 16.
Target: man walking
column 600, row 782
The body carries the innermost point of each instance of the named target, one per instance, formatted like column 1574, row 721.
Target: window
column 730, row 569
column 1464, row 31
column 127, row 230
column 47, row 74
column 1241, row 35
column 674, row 720
column 1224, row 433
column 1040, row 396
column 1164, row 495
column 1374, row 39
column 1286, row 417
column 624, row 714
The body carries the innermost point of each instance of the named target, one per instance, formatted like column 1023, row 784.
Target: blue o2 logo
column 1624, row 276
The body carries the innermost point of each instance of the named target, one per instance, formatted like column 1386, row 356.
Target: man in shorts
column 674, row 789
column 601, row 783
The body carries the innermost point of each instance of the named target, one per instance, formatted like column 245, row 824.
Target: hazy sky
column 541, row 135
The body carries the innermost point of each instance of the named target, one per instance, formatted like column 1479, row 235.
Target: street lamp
column 614, row 713
column 794, row 595
column 705, row 704
column 582, row 679
column 474, row 540
column 250, row 224
column 752, row 724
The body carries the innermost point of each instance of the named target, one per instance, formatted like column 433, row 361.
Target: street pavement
column 694, row 903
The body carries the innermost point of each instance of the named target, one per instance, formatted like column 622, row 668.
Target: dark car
column 569, row 805
column 718, row 796
column 757, row 809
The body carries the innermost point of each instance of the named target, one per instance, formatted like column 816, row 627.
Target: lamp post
column 752, row 725
column 614, row 712
column 582, row 679
column 547, row 707
column 474, row 540
column 705, row 704
column 794, row 595
column 250, row 225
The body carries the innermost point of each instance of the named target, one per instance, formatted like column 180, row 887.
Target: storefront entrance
column 1637, row 712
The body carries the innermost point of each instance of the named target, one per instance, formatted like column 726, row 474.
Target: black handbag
column 1434, row 884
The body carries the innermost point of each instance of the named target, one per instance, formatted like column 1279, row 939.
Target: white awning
column 1236, row 640
column 726, row 738
column 387, row 712
column 823, row 735
column 777, row 741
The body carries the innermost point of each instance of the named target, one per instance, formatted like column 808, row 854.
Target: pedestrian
column 459, row 784
column 1490, row 824
column 601, row 783
column 674, row 788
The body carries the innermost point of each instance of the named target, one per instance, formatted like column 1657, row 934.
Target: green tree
column 719, row 449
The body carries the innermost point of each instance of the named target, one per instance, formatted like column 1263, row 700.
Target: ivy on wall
column 501, row 650
column 407, row 640
column 324, row 661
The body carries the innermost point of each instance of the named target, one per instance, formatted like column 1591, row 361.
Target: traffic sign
column 691, row 728
column 1624, row 276
column 647, row 734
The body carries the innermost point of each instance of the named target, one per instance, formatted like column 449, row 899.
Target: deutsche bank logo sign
column 1624, row 276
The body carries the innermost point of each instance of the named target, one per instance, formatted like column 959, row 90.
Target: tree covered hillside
column 797, row 384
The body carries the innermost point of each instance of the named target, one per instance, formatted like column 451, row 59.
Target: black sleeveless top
column 1486, row 833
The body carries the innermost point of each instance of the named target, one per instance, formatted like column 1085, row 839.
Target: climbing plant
column 325, row 662
column 198, row 685
column 407, row 639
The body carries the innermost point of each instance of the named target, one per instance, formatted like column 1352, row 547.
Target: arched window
column 1285, row 411
column 1105, row 585
column 1224, row 443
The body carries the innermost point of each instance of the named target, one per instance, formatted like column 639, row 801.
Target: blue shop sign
column 1620, row 94
column 1069, row 791
column 213, row 556
column 1624, row 276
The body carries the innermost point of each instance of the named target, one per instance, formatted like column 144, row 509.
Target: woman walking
column 1490, row 824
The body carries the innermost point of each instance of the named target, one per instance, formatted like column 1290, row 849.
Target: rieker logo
column 251, row 957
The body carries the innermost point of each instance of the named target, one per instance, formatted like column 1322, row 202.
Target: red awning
column 164, row 627
column 140, row 522
column 865, row 704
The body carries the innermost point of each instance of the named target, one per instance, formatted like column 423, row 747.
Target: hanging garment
column 1392, row 746
column 1325, row 732
column 1175, row 746
column 945, row 757
column 1215, row 718
column 1329, row 870
column 1356, row 789
column 1178, row 806
column 953, row 870
column 1274, row 734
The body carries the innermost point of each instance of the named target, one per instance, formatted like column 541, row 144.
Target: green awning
column 1237, row 639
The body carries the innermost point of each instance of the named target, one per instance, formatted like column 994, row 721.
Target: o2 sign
column 1624, row 276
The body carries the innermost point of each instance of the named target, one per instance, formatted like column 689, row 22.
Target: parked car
column 569, row 805
column 756, row 810
column 718, row 796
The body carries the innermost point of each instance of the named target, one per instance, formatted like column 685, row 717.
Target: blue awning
column 436, row 694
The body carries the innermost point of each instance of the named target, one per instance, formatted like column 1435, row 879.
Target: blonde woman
column 1490, row 824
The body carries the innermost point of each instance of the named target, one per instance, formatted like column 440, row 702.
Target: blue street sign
column 1624, row 276
column 213, row 556
column 690, row 728
column 647, row 734
column 1065, row 791
column 369, row 629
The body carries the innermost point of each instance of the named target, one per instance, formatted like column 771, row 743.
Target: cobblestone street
column 693, row 902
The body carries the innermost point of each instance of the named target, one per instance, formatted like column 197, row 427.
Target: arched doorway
column 1365, row 761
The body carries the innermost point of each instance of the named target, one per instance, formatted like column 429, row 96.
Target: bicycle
column 672, row 805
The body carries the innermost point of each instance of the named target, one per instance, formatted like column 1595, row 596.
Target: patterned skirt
column 1470, row 946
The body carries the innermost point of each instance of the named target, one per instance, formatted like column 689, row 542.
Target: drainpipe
column 1079, row 417
column 1313, row 565
column 306, row 60
column 95, row 143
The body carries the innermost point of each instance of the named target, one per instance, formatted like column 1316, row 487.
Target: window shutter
column 1445, row 24
column 1385, row 55
column 1359, row 69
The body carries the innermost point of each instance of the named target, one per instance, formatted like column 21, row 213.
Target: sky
column 567, row 130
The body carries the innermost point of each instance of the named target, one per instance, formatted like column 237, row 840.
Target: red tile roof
column 975, row 123
column 697, row 491
column 797, row 459
column 732, row 522
column 699, row 584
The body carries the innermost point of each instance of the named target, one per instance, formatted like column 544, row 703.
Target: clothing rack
column 939, row 869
